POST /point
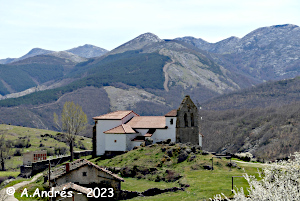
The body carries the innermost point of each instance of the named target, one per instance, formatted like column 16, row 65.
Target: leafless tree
column 73, row 121
column 5, row 150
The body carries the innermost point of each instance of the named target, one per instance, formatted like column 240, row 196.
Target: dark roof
column 72, row 186
column 59, row 172
column 172, row 113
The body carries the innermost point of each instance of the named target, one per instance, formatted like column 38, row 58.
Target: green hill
column 26, row 139
column 159, row 166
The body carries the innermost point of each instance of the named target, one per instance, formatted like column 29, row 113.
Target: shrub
column 277, row 181
column 17, row 152
column 60, row 150
column 171, row 176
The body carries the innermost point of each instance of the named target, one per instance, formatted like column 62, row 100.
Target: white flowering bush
column 278, row 181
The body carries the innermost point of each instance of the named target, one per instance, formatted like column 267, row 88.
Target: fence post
column 232, row 181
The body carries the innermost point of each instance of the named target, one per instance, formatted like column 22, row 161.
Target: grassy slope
column 204, row 184
column 15, row 132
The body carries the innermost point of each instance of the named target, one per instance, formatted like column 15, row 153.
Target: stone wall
column 37, row 167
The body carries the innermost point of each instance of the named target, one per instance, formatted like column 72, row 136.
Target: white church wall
column 169, row 133
column 130, row 144
column 104, row 125
column 163, row 134
column 115, row 142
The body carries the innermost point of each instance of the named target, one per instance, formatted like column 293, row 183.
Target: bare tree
column 73, row 121
column 5, row 150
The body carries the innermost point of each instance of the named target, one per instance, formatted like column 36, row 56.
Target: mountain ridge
column 85, row 51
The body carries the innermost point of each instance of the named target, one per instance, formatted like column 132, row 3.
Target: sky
column 64, row 24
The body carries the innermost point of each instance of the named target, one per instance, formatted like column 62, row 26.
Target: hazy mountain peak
column 138, row 43
column 88, row 51
column 37, row 51
column 34, row 52
column 148, row 37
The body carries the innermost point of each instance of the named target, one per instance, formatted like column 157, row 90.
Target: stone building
column 120, row 131
column 34, row 156
column 86, row 174
column 74, row 192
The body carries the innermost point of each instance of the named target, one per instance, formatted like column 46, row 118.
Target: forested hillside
column 276, row 93
column 143, row 70
column 268, row 133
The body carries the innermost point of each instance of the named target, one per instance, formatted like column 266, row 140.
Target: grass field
column 204, row 184
column 8, row 173
column 38, row 141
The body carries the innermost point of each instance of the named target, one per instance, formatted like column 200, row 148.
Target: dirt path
column 250, row 163
column 167, row 75
column 5, row 197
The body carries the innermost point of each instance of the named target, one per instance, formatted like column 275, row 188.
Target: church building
column 120, row 131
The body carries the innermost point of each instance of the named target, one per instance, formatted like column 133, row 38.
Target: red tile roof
column 70, row 185
column 148, row 135
column 172, row 113
column 117, row 115
column 59, row 172
column 150, row 132
column 147, row 122
column 122, row 129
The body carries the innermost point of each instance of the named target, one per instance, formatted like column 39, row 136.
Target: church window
column 185, row 120
column 171, row 121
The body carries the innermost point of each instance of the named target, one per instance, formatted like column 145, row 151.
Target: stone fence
column 37, row 167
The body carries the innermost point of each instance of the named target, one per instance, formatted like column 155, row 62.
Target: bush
column 60, row 150
column 277, row 181
column 171, row 176
column 17, row 152
column 50, row 152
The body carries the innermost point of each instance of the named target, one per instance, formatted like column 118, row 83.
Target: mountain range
column 151, row 76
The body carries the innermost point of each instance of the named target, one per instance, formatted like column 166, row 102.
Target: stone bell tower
column 187, row 128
